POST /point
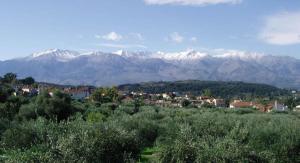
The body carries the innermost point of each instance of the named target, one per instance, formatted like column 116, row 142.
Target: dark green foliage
column 9, row 78
column 291, row 102
column 5, row 92
column 57, row 107
column 185, row 103
column 245, row 111
column 138, row 102
column 207, row 92
column 19, row 137
column 28, row 81
column 183, row 149
column 105, row 95
column 4, row 124
column 11, row 107
column 215, row 88
column 28, row 112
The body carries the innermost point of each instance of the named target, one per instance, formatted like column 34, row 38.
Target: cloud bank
column 281, row 29
column 191, row 2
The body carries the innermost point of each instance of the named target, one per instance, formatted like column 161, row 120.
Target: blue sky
column 266, row 26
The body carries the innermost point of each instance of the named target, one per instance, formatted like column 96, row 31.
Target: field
column 125, row 133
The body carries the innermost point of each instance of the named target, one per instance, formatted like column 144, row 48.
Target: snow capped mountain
column 185, row 55
column 235, row 54
column 60, row 55
column 67, row 55
column 105, row 68
column 139, row 54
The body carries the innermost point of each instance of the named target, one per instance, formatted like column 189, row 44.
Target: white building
column 279, row 107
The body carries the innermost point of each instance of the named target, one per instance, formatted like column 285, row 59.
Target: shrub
column 184, row 148
column 19, row 138
column 94, row 117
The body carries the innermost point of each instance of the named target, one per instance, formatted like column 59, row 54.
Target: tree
column 105, row 95
column 207, row 92
column 138, row 102
column 185, row 103
column 11, row 107
column 3, row 94
column 9, row 78
column 57, row 107
column 290, row 102
column 28, row 81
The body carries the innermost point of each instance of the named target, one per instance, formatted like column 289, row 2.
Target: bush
column 19, row 138
column 56, row 108
column 184, row 148
column 95, row 117
column 27, row 112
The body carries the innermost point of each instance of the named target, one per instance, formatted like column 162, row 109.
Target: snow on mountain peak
column 188, row 55
column 185, row 55
column 61, row 55
column 242, row 55
column 138, row 54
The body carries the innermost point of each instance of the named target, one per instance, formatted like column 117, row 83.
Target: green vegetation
column 58, row 129
column 216, row 88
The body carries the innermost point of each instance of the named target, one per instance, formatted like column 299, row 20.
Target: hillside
column 218, row 88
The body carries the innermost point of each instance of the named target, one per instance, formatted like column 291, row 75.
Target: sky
column 264, row 26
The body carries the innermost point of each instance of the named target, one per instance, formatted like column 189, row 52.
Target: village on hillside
column 168, row 99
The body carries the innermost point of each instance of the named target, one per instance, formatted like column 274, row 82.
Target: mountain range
column 122, row 67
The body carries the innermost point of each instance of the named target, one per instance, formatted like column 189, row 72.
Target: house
column 27, row 90
column 166, row 96
column 219, row 103
column 241, row 104
column 297, row 108
column 279, row 107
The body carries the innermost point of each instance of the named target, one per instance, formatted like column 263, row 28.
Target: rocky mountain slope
column 103, row 69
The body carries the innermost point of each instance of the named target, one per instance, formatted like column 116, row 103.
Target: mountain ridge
column 122, row 67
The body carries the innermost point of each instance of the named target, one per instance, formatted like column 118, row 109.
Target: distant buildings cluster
column 76, row 93
column 259, row 106
column 172, row 99
column 175, row 99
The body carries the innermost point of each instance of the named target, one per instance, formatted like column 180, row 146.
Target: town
column 168, row 99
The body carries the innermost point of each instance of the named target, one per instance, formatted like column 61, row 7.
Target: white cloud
column 112, row 36
column 191, row 2
column 98, row 36
column 137, row 36
column 282, row 29
column 175, row 37
column 123, row 46
column 194, row 39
